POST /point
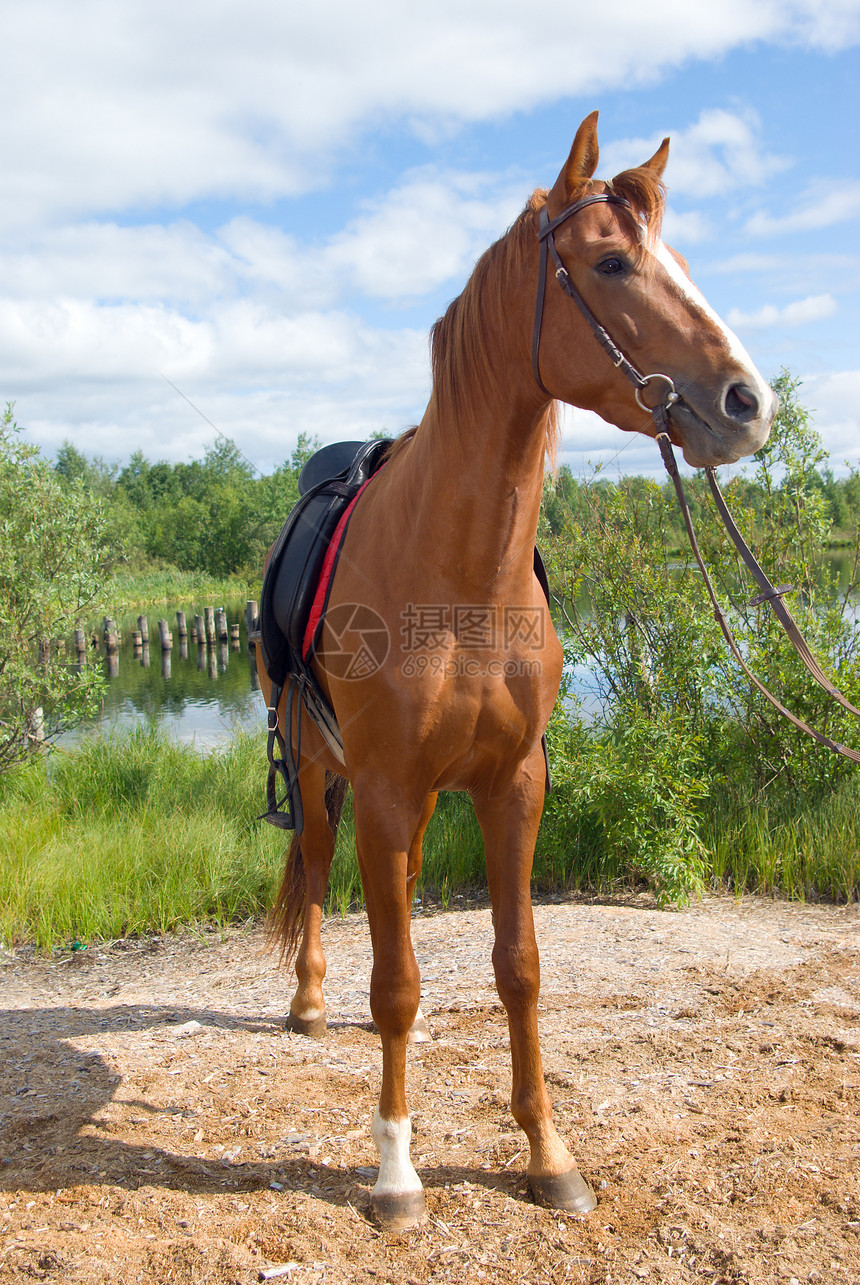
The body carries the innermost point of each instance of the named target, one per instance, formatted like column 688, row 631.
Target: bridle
column 546, row 228
column 660, row 415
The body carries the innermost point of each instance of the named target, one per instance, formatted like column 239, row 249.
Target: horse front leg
column 384, row 841
column 509, row 823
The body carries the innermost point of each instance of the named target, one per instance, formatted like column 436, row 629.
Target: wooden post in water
column 250, row 617
column 221, row 625
column 200, row 630
column 181, row 625
column 143, row 626
column 80, row 645
column 111, row 638
column 209, row 616
column 165, row 635
column 235, row 634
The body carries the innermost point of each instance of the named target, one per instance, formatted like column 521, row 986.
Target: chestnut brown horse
column 458, row 663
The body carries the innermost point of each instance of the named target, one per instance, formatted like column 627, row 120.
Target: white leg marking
column 396, row 1174
column 308, row 1014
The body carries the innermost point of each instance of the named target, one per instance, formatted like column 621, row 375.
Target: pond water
column 202, row 694
column 198, row 693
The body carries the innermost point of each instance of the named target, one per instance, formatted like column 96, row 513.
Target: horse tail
column 286, row 918
column 335, row 797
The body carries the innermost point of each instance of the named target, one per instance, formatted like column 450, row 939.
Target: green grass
column 803, row 851
column 135, row 834
column 128, row 590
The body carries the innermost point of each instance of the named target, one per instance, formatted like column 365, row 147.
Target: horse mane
column 463, row 341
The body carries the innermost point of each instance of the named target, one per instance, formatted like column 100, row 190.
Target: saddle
column 329, row 484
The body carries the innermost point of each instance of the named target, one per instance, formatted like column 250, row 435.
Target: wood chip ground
column 157, row 1124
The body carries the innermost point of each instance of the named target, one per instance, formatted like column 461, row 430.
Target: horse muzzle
column 722, row 429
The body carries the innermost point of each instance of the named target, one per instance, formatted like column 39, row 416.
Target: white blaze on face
column 396, row 1174
column 736, row 349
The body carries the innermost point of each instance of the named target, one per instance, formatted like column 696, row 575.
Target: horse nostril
column 741, row 403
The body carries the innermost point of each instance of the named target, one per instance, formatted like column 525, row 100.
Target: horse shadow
column 51, row 1137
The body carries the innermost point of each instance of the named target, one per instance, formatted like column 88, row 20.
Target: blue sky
column 269, row 203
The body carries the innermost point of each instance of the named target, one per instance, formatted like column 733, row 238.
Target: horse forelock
column 646, row 193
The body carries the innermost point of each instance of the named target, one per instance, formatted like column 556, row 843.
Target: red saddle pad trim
column 321, row 595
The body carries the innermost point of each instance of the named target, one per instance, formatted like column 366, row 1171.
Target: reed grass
column 135, row 834
column 129, row 590
column 132, row 835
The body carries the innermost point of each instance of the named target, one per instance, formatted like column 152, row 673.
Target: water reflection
column 196, row 691
column 201, row 691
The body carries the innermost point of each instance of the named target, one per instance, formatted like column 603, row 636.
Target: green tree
column 305, row 447
column 53, row 560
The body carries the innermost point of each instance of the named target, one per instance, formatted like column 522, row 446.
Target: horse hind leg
column 297, row 914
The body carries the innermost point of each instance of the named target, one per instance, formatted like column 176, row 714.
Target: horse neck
column 481, row 480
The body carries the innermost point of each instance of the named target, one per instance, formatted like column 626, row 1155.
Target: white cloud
column 428, row 231
column 688, row 228
column 719, row 153
column 798, row 313
column 96, row 374
column 149, row 102
column 107, row 262
column 834, row 400
column 116, row 111
column 822, row 206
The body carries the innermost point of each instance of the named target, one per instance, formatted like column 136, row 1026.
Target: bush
column 53, row 559
column 677, row 726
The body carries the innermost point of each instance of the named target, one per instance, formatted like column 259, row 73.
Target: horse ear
column 658, row 161
column 581, row 164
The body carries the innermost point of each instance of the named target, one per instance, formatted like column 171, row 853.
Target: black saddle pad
column 293, row 573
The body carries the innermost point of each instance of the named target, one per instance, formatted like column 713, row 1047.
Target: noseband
column 546, row 228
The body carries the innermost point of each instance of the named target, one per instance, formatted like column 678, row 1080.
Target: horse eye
column 612, row 267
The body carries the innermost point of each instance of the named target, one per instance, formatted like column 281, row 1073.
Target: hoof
column 314, row 1027
column 568, row 1191
column 419, row 1031
column 397, row 1211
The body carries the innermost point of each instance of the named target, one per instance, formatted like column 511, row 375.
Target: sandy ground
column 158, row 1124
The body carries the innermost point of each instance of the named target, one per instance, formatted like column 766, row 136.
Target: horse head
column 606, row 236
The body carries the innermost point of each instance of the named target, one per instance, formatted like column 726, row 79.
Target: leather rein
column 660, row 413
